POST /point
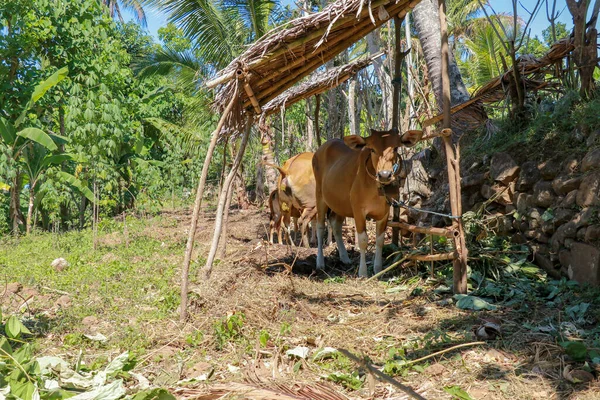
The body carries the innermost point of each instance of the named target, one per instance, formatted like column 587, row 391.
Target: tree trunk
column 317, row 122
column 385, row 80
column 30, row 208
column 242, row 195
column 409, row 73
column 15, row 203
column 354, row 125
column 310, row 125
column 82, row 207
column 585, row 52
column 427, row 25
column 268, row 156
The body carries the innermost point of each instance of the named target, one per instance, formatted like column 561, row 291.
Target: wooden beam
column 433, row 257
column 252, row 98
column 449, row 233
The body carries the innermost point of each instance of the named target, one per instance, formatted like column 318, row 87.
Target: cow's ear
column 354, row 142
column 410, row 138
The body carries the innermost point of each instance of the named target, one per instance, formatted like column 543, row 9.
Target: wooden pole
column 449, row 233
column 452, row 161
column 396, row 108
column 433, row 257
column 189, row 247
column 223, row 198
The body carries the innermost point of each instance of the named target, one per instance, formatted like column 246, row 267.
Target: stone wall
column 552, row 206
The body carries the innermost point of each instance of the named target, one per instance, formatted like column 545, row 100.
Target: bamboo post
column 395, row 113
column 223, row 251
column 452, row 161
column 189, row 247
column 223, row 198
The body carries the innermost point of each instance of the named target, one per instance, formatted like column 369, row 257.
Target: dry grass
column 279, row 304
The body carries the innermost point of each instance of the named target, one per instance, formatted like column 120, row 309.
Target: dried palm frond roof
column 294, row 50
column 318, row 83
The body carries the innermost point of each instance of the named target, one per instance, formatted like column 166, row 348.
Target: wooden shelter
column 249, row 87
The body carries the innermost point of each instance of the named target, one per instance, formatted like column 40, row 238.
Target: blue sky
column 157, row 20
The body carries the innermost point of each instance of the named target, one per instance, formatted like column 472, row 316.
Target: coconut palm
column 134, row 6
column 427, row 25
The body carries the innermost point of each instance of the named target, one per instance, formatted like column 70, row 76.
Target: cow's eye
column 372, row 150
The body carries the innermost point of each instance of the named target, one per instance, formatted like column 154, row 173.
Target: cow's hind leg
column 321, row 214
column 307, row 216
column 378, row 262
column 336, row 223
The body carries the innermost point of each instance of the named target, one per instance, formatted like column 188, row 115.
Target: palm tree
column 427, row 25
column 135, row 6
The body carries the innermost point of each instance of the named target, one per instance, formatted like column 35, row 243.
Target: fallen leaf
column 299, row 352
column 577, row 375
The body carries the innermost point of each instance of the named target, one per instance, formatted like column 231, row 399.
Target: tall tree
column 427, row 25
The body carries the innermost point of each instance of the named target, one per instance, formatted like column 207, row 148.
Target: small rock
column 564, row 184
column 14, row 287
column 563, row 215
column 571, row 165
column 59, row 264
column 472, row 180
column 503, row 168
column 581, row 234
column 199, row 368
column 569, row 200
column 89, row 321
column 64, row 301
column 543, row 194
column 591, row 160
column 520, row 200
column 583, row 265
column 589, row 190
column 593, row 139
column 528, row 177
column 435, row 369
column 501, row 194
column 549, row 169
column 592, row 233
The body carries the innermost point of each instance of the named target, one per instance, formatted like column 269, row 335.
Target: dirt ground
column 265, row 325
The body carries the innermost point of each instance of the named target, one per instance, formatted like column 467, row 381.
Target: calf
column 278, row 218
column 296, row 186
column 355, row 178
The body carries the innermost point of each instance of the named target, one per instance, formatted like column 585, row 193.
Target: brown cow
column 297, row 183
column 278, row 219
column 351, row 178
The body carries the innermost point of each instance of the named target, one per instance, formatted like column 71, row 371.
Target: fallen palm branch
column 532, row 69
column 381, row 376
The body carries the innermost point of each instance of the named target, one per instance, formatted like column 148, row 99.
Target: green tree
column 560, row 30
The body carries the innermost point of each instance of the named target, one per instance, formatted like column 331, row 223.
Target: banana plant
column 32, row 150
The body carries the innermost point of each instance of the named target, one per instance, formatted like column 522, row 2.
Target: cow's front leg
column 363, row 241
column 378, row 263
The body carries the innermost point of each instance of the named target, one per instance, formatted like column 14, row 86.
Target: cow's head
column 383, row 146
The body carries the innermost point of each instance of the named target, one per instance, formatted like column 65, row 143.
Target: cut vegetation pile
column 264, row 327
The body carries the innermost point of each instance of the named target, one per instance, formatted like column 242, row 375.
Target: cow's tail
column 281, row 170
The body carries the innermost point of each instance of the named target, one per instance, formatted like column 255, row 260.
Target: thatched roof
column 318, row 83
column 293, row 51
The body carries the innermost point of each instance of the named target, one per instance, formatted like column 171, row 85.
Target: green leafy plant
column 229, row 329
